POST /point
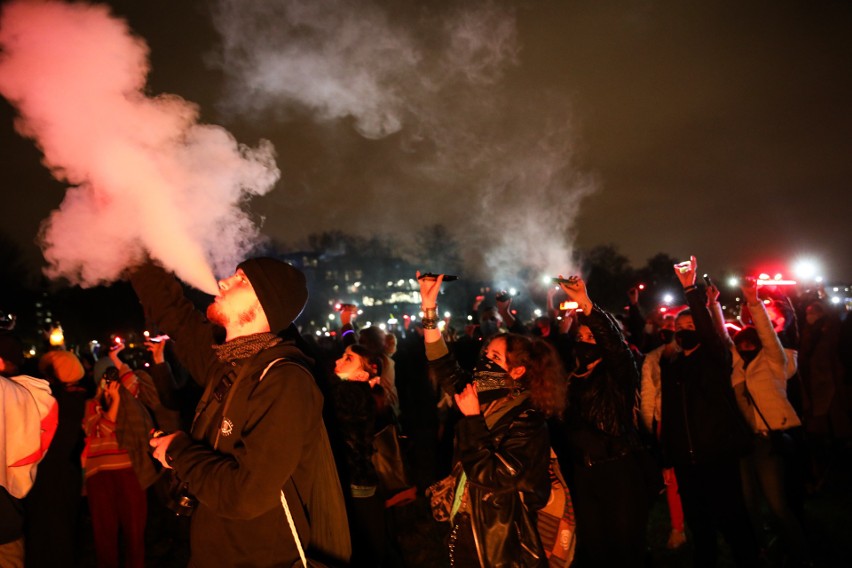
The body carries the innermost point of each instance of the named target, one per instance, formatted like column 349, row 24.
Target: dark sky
column 720, row 129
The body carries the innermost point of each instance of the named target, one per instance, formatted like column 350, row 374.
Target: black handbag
column 390, row 467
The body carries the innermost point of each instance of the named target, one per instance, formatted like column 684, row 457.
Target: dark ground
column 422, row 541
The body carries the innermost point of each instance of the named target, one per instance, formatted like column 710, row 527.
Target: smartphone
column 707, row 280
column 447, row 277
column 565, row 306
column 683, row 267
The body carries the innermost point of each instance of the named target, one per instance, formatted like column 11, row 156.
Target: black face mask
column 586, row 353
column 492, row 381
column 687, row 338
column 666, row 335
column 748, row 356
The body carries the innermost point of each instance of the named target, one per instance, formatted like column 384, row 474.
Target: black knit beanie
column 280, row 288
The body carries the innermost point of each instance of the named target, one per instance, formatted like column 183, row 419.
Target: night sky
column 720, row 129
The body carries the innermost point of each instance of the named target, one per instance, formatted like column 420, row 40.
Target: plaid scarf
column 246, row 346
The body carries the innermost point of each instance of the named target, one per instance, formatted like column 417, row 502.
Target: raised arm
column 768, row 338
column 717, row 315
column 165, row 304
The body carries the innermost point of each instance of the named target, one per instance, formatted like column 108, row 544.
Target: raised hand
column 749, row 288
column 429, row 289
column 712, row 293
column 575, row 288
column 685, row 272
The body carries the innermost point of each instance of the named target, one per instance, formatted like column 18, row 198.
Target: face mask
column 492, row 381
column 687, row 338
column 666, row 335
column 586, row 353
column 748, row 356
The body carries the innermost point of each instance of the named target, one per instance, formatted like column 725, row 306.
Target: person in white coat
column 761, row 369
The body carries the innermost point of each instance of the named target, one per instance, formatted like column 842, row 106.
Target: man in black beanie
column 258, row 428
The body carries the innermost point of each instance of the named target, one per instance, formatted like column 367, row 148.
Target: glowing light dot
column 668, row 298
column 733, row 282
column 446, row 314
column 835, row 299
column 537, row 313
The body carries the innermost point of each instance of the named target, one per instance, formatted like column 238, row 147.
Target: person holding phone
column 502, row 442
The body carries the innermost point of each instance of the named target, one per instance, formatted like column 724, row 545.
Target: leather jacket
column 507, row 472
column 599, row 419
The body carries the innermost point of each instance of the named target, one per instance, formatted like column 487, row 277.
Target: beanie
column 63, row 366
column 11, row 351
column 280, row 288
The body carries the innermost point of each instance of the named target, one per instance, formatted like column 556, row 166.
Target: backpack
column 555, row 521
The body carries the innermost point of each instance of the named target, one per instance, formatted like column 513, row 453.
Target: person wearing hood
column 761, row 369
column 703, row 434
column 608, row 459
column 501, row 473
column 28, row 418
column 258, row 438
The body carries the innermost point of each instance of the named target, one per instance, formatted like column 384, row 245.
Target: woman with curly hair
column 502, row 444
column 607, row 456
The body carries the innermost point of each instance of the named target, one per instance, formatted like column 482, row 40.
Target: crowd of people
column 284, row 448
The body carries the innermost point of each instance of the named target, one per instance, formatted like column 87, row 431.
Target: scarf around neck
column 245, row 346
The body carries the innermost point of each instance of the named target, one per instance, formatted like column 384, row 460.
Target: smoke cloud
column 458, row 135
column 146, row 178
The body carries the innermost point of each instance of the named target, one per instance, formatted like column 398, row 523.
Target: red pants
column 117, row 500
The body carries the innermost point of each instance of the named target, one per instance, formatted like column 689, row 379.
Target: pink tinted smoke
column 147, row 179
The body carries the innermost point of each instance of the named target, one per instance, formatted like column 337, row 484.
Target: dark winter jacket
column 700, row 419
column 502, row 462
column 599, row 419
column 271, row 438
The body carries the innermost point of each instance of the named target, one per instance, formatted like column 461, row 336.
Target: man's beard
column 217, row 316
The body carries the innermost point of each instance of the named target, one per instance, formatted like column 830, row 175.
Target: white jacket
column 766, row 378
column 24, row 403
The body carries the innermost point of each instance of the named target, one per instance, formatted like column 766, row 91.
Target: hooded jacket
column 271, row 438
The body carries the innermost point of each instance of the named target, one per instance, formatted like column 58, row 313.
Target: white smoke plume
column 460, row 137
column 145, row 176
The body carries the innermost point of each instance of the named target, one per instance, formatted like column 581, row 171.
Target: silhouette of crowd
column 197, row 438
